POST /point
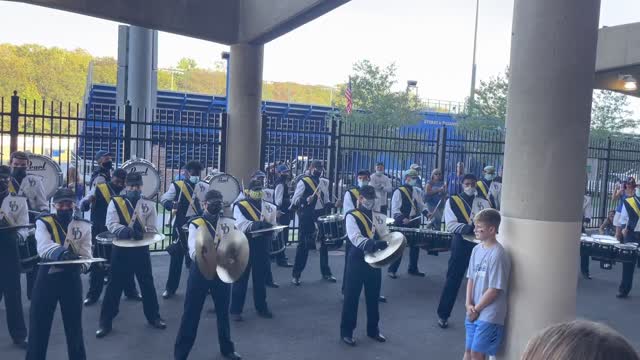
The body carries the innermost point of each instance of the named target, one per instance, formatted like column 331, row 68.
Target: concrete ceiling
column 618, row 55
column 221, row 21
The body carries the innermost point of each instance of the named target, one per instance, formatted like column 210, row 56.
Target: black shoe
column 586, row 276
column 232, row 355
column 237, row 317
column 329, row 278
column 273, row 285
column 378, row 337
column 89, row 301
column 622, row 295
column 295, row 281
column 21, row 343
column 158, row 324
column 382, row 299
column 267, row 314
column 285, row 265
column 392, row 275
column 349, row 340
column 103, row 331
column 167, row 294
column 416, row 273
column 443, row 323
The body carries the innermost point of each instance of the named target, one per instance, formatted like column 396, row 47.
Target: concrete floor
column 306, row 323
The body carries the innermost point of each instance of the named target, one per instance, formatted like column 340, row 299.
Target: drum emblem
column 77, row 233
column 379, row 220
column 32, row 182
column 145, row 208
column 269, row 209
column 13, row 206
column 202, row 187
column 225, row 228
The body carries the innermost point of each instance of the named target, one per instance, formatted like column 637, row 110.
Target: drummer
column 311, row 198
column 268, row 194
column 406, row 207
column 249, row 218
column 283, row 203
column 631, row 234
column 459, row 211
column 102, row 174
column 130, row 260
column 98, row 200
column 198, row 287
column 183, row 199
column 364, row 236
column 14, row 212
column 488, row 188
column 32, row 188
column 61, row 237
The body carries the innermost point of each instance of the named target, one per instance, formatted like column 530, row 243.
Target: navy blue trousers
column 359, row 274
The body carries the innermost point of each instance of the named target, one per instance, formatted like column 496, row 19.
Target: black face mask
column 65, row 216
column 133, row 195
column 117, row 188
column 107, row 165
column 317, row 173
column 214, row 208
column 19, row 172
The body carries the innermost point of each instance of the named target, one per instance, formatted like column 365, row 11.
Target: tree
column 488, row 110
column 610, row 113
column 374, row 101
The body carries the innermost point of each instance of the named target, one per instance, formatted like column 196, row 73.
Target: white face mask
column 412, row 182
column 379, row 172
column 489, row 177
column 470, row 190
column 638, row 192
column 194, row 179
column 368, row 203
column 362, row 183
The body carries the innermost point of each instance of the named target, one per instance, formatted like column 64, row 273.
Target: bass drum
column 47, row 169
column 150, row 176
column 228, row 186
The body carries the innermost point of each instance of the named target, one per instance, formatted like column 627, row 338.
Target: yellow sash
column 249, row 208
column 56, row 235
column 364, row 222
column 201, row 223
column 185, row 191
column 104, row 190
column 484, row 191
column 406, row 194
column 121, row 203
column 634, row 205
column 310, row 183
column 463, row 209
column 12, row 189
column 356, row 193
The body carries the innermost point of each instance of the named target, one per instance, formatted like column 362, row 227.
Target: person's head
column 5, row 175
column 436, row 175
column 133, row 181
column 367, row 198
column 460, row 168
column 19, row 162
column 364, row 176
column 380, row 168
column 411, row 177
column 194, row 168
column 469, row 182
column 579, row 340
column 316, row 168
column 213, row 202
column 283, row 171
column 486, row 222
column 259, row 175
column 254, row 189
column 64, row 202
column 118, row 178
column 611, row 215
column 489, row 173
column 103, row 158
column 415, row 167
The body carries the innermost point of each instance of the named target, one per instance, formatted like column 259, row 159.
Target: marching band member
column 14, row 211
column 282, row 203
column 459, row 211
column 129, row 216
column 383, row 186
column 630, row 233
column 364, row 236
column 268, row 194
column 311, row 197
column 198, row 287
column 183, row 198
column 349, row 203
column 98, row 200
column 488, row 188
column 31, row 187
column 60, row 236
column 103, row 173
column 587, row 214
column 249, row 217
column 406, row 205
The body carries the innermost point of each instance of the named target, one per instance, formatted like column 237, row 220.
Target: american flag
column 347, row 94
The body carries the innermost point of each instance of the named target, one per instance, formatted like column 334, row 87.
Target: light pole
column 412, row 84
column 475, row 43
column 226, row 56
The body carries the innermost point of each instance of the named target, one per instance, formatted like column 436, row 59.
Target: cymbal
column 382, row 258
column 206, row 258
column 233, row 256
column 71, row 262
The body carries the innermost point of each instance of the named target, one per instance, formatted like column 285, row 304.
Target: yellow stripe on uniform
column 56, row 235
column 483, row 189
column 121, row 203
column 12, row 189
column 463, row 209
column 406, row 194
column 634, row 205
column 364, row 222
column 201, row 224
column 185, row 191
column 249, row 208
column 104, row 190
column 310, row 183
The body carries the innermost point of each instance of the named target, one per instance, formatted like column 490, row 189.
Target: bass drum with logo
column 150, row 176
column 228, row 186
column 46, row 169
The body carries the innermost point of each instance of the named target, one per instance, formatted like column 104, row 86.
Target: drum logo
column 225, row 228
column 269, row 209
column 134, row 171
column 145, row 208
column 33, row 167
column 202, row 187
column 32, row 182
column 77, row 233
column 13, row 206
column 379, row 220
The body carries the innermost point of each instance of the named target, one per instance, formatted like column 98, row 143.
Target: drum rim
column 326, row 218
column 153, row 166
column 56, row 167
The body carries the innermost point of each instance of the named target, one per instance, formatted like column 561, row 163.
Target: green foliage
column 610, row 113
column 488, row 110
column 371, row 89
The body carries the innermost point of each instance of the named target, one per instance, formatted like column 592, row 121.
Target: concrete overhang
column 221, row 21
column 618, row 55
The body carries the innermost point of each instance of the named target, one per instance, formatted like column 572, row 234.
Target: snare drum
column 440, row 241
column 604, row 248
column 228, row 186
column 626, row 253
column 104, row 245
column 46, row 169
column 586, row 245
column 150, row 176
column 333, row 228
column 415, row 236
column 28, row 251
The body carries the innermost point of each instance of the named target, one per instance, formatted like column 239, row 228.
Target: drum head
column 627, row 246
column 47, row 169
column 330, row 218
column 150, row 176
column 149, row 238
column 228, row 186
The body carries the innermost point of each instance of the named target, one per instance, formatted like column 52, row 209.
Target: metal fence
column 71, row 135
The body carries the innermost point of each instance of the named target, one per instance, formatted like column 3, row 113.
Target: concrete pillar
column 245, row 96
column 553, row 52
column 140, row 86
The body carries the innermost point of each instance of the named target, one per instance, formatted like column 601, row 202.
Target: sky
column 429, row 40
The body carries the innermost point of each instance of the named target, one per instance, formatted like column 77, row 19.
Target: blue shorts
column 483, row 337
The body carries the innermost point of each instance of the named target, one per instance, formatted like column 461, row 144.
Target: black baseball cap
column 63, row 194
column 101, row 153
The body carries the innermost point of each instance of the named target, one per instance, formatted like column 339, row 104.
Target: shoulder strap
column 408, row 197
column 104, row 190
column 484, row 191
column 311, row 184
column 54, row 228
column 184, row 189
column 124, row 209
column 461, row 206
column 634, row 205
column 360, row 217
column 249, row 208
column 12, row 187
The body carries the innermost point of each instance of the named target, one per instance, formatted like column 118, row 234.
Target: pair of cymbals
column 381, row 258
column 226, row 260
